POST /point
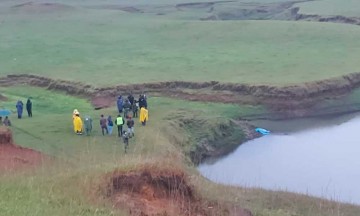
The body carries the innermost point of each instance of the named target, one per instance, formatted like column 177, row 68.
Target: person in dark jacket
column 103, row 125
column 29, row 107
column 131, row 99
column 127, row 108
column 135, row 109
column 19, row 108
column 120, row 104
column 130, row 124
column 142, row 102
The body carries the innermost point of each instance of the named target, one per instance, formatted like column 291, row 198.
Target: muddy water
column 323, row 160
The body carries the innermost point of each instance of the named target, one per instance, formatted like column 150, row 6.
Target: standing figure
column 127, row 108
column 126, row 138
column 19, row 108
column 144, row 116
column 78, row 124
column 88, row 125
column 103, row 125
column 110, row 125
column 131, row 99
column 29, row 107
column 75, row 112
column 130, row 124
column 142, row 101
column 119, row 121
column 135, row 109
column 120, row 103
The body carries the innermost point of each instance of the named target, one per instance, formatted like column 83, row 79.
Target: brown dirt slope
column 160, row 191
column 278, row 98
column 13, row 157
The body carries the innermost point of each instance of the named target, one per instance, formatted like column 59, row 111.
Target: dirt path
column 291, row 100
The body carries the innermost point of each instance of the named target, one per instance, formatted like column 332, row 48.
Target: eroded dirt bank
column 13, row 157
column 287, row 101
column 150, row 190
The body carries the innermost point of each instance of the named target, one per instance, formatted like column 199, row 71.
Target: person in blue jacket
column 120, row 103
column 19, row 108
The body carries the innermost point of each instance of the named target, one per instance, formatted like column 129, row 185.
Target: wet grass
column 68, row 186
column 107, row 47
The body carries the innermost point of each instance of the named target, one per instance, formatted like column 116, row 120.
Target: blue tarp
column 262, row 131
column 4, row 112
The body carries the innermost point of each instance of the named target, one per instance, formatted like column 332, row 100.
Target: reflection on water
column 321, row 161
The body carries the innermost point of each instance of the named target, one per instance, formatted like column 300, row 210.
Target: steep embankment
column 282, row 101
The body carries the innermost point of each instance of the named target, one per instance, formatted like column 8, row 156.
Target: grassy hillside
column 105, row 47
column 350, row 8
column 67, row 186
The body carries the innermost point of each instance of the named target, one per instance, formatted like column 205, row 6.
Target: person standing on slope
column 127, row 108
column 110, row 125
column 130, row 124
column 119, row 121
column 78, row 124
column 88, row 125
column 120, row 103
column 144, row 116
column 29, row 107
column 19, row 108
column 103, row 125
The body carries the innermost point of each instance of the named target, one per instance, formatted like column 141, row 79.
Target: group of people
column 128, row 109
column 20, row 105
column 19, row 108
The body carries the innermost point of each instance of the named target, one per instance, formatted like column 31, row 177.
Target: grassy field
column 349, row 8
column 106, row 47
column 65, row 187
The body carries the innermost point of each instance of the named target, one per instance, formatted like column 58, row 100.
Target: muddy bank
column 282, row 102
column 15, row 158
column 152, row 190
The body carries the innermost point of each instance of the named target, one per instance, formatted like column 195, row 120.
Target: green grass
column 107, row 47
column 349, row 8
column 68, row 185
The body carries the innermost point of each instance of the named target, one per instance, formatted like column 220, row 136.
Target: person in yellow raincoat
column 75, row 112
column 78, row 124
column 144, row 116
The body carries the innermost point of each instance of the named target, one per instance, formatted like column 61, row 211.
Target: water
column 323, row 161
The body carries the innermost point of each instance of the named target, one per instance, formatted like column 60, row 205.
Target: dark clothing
column 110, row 122
column 29, row 107
column 131, row 99
column 135, row 110
column 143, row 123
column 126, row 138
column 142, row 102
column 103, row 124
column 88, row 125
column 120, row 103
column 127, row 108
column 130, row 123
column 19, row 108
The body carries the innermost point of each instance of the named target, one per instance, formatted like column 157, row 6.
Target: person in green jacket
column 119, row 121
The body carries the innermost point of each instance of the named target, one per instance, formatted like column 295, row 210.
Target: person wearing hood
column 131, row 99
column 78, row 124
column 29, row 107
column 120, row 103
column 144, row 116
column 142, row 101
column 19, row 108
column 88, row 125
column 74, row 113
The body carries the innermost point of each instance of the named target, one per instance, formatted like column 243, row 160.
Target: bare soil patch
column 14, row 157
column 153, row 191
column 289, row 101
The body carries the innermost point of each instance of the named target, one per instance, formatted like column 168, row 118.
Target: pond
column 318, row 157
